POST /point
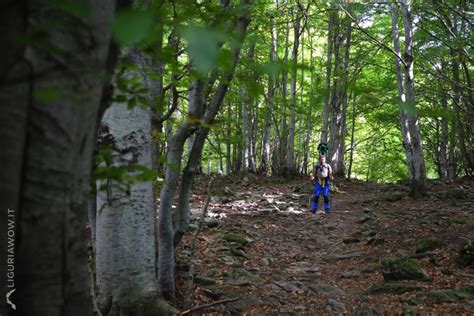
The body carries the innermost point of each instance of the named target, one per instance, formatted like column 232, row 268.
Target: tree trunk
column 279, row 163
column 444, row 134
column 327, row 93
column 125, row 258
column 339, row 95
column 340, row 166
column 15, row 99
column 417, row 165
column 270, row 99
column 166, row 257
column 290, row 162
column 351, row 157
column 56, row 159
column 253, row 137
column 307, row 147
column 245, row 131
column 406, row 91
column 228, row 144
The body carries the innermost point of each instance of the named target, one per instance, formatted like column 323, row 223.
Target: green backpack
column 323, row 149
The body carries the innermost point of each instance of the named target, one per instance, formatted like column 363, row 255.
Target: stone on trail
column 265, row 262
column 240, row 282
column 335, row 307
column 375, row 240
column 345, row 256
column 348, row 240
column 204, row 281
column 350, row 274
column 399, row 268
column 325, row 289
column 428, row 244
column 287, row 286
column 394, row 196
column 211, row 222
column 322, row 240
column 237, row 239
column 393, row 288
column 243, row 304
column 452, row 295
column 238, row 253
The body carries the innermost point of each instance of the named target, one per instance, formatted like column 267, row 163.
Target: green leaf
column 131, row 26
column 132, row 103
column 121, row 98
column 203, row 46
column 46, row 95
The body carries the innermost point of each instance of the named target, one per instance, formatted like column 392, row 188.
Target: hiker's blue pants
column 318, row 189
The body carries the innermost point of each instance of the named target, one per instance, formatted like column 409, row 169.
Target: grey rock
column 348, row 255
column 240, row 282
column 402, row 268
column 265, row 262
column 326, row 289
column 211, row 222
column 350, row 274
column 287, row 286
column 334, row 306
column 204, row 281
column 395, row 288
column 348, row 240
column 322, row 240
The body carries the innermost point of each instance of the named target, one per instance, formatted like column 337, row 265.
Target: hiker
column 322, row 175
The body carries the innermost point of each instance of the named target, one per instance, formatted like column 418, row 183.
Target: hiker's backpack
column 323, row 149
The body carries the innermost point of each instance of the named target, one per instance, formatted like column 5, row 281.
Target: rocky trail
column 377, row 253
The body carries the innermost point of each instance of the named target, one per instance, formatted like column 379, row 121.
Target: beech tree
column 50, row 88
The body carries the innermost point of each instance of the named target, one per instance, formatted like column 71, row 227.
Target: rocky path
column 261, row 245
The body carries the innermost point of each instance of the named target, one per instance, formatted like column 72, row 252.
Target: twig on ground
column 227, row 300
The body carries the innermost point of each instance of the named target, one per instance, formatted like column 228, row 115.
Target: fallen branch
column 227, row 300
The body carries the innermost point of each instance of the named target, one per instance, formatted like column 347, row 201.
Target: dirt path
column 264, row 247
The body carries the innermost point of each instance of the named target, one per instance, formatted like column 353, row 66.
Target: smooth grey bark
column 327, row 93
column 351, row 155
column 125, row 237
column 443, row 132
column 166, row 263
column 458, row 97
column 51, row 264
column 406, row 90
column 253, row 137
column 340, row 165
column 400, row 86
column 245, row 131
column 247, row 118
column 228, row 149
column 290, row 159
column 417, row 164
column 279, row 155
column 15, row 94
column 266, row 153
column 342, row 43
column 310, row 120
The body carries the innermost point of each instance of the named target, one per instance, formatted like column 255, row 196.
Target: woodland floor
column 261, row 244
